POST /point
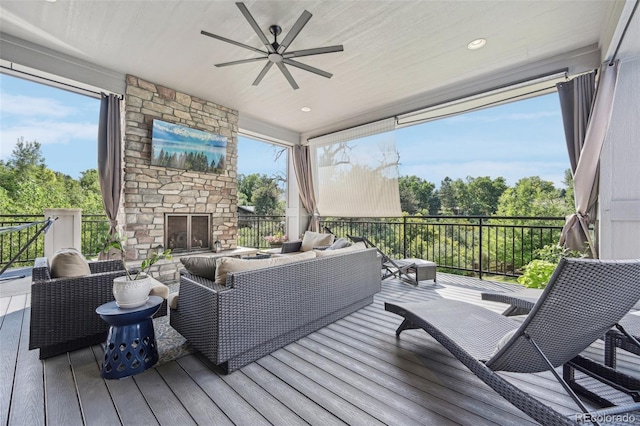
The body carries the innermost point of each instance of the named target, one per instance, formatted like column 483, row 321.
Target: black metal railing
column 474, row 245
column 253, row 228
column 12, row 242
column 94, row 227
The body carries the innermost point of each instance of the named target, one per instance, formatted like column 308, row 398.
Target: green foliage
column 262, row 192
column 116, row 242
column 27, row 186
column 537, row 273
column 418, row 195
column 554, row 252
column 477, row 196
column 569, row 192
column 532, row 196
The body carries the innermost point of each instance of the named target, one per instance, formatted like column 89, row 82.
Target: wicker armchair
column 63, row 310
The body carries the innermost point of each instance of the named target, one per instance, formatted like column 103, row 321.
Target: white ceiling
column 398, row 55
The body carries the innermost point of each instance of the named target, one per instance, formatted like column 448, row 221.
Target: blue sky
column 513, row 141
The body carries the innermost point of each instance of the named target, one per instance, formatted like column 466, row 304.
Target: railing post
column 404, row 237
column 480, row 251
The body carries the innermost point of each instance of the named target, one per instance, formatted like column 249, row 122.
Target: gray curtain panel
column 302, row 167
column 575, row 233
column 109, row 157
column 576, row 98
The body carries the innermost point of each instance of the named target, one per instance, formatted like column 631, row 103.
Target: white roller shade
column 517, row 91
column 355, row 171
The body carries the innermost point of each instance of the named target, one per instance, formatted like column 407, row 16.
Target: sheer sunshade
column 356, row 171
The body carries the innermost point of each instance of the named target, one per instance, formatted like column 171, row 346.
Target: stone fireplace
column 165, row 206
column 187, row 232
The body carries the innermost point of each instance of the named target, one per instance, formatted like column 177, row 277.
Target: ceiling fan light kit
column 276, row 53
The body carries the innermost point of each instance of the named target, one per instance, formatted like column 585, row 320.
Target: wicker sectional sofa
column 261, row 310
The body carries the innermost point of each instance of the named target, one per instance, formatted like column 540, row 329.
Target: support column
column 65, row 232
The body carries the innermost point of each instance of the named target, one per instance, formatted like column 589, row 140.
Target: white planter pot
column 131, row 293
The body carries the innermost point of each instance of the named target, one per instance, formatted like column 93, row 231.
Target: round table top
column 115, row 315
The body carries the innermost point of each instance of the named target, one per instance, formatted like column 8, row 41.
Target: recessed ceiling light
column 50, row 1
column 305, row 109
column 476, row 44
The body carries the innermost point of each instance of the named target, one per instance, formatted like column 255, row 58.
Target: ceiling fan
column 276, row 52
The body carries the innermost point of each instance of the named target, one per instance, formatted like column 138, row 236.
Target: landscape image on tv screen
column 181, row 147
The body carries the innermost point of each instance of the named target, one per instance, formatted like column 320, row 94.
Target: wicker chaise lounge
column 421, row 269
column 552, row 335
column 63, row 310
column 522, row 301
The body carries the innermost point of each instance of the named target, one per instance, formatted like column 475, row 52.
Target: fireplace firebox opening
column 187, row 232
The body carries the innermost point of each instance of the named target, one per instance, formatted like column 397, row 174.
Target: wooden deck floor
column 353, row 371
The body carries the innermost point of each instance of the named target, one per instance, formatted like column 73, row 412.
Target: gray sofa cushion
column 201, row 266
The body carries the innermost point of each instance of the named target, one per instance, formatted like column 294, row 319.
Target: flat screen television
column 181, row 147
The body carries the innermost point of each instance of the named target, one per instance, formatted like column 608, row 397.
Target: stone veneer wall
column 151, row 191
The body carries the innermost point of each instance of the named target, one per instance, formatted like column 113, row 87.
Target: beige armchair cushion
column 230, row 264
column 315, row 239
column 69, row 262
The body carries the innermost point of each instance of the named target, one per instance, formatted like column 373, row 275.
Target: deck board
column 28, row 393
column 354, row 371
column 305, row 408
column 10, row 332
column 62, row 405
column 223, row 395
column 165, row 405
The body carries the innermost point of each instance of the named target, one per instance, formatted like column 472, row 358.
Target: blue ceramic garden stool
column 131, row 344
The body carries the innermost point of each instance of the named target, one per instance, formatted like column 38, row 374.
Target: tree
column 448, row 197
column 27, row 186
column 483, row 194
column 246, row 185
column 25, row 155
column 262, row 192
column 418, row 195
column 266, row 199
column 532, row 196
column 569, row 191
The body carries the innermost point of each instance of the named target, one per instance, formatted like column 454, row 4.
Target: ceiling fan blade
column 288, row 75
column 307, row 68
column 316, row 51
column 255, row 27
column 233, row 42
column 242, row 61
column 294, row 31
column 264, row 71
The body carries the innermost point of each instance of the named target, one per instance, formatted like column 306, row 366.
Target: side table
column 131, row 343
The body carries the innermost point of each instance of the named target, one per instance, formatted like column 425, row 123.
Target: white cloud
column 29, row 106
column 46, row 132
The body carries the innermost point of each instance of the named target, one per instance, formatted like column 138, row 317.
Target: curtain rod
column 624, row 32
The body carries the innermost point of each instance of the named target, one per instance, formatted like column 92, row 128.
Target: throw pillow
column 315, row 239
column 339, row 243
column 354, row 247
column 231, row 264
column 199, row 265
column 69, row 262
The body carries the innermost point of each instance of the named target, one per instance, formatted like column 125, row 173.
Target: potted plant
column 132, row 289
column 276, row 240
